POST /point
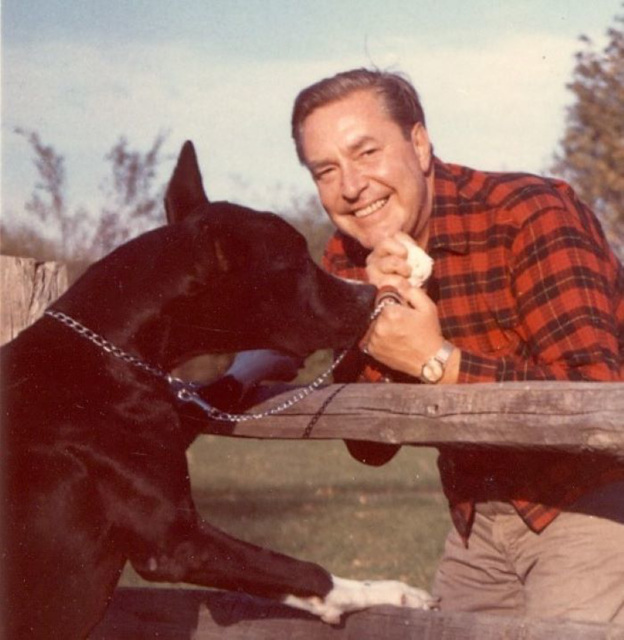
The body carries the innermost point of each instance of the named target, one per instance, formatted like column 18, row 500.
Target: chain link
column 186, row 395
column 388, row 300
column 109, row 347
column 186, row 391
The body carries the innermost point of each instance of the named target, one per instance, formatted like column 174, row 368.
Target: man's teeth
column 375, row 206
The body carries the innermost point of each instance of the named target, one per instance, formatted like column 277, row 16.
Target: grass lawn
column 312, row 500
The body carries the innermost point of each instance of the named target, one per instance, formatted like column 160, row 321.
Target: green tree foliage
column 591, row 153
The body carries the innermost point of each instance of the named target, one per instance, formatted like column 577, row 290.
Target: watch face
column 432, row 371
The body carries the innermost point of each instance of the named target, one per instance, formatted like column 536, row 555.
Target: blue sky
column 491, row 74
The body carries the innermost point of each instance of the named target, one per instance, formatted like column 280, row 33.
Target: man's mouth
column 370, row 209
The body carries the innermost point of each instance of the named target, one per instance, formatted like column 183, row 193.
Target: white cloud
column 495, row 107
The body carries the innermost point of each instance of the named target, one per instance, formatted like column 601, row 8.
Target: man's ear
column 185, row 191
column 422, row 147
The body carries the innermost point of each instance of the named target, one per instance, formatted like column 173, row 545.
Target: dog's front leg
column 206, row 556
column 352, row 595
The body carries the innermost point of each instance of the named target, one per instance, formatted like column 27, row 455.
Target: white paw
column 399, row 594
column 352, row 595
column 317, row 606
column 420, row 262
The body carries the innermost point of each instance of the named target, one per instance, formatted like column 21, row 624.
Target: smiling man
column 373, row 178
column 524, row 287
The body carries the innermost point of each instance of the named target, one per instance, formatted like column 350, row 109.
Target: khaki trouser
column 573, row 569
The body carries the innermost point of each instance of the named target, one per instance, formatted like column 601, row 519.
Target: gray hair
column 399, row 98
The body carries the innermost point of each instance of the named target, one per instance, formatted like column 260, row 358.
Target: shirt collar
column 449, row 229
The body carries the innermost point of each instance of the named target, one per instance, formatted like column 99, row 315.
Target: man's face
column 371, row 179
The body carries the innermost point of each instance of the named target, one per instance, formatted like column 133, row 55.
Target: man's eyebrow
column 360, row 142
column 317, row 165
column 352, row 147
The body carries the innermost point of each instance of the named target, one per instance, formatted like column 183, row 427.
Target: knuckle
column 393, row 312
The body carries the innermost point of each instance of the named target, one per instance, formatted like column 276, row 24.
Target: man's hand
column 404, row 337
column 399, row 262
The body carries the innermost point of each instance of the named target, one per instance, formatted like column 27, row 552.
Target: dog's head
column 256, row 285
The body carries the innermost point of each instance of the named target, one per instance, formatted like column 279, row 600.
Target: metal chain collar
column 187, row 395
column 186, row 391
column 107, row 346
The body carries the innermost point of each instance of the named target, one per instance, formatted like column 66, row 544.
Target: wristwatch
column 433, row 370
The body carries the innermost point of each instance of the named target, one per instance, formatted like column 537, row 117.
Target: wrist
column 442, row 366
column 451, row 373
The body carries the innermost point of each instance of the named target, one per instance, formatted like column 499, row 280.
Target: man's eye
column 370, row 151
column 323, row 174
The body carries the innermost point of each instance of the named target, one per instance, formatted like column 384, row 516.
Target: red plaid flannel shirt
column 527, row 287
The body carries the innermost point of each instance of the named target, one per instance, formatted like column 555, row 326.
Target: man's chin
column 368, row 234
column 372, row 238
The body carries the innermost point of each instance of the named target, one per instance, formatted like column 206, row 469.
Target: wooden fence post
column 28, row 286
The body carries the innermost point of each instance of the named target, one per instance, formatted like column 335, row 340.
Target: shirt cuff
column 478, row 368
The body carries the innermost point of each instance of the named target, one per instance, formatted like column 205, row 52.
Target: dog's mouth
column 223, row 341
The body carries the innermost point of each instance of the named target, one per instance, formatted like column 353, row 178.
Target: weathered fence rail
column 574, row 416
column 555, row 415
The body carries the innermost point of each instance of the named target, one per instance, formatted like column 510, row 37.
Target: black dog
column 93, row 450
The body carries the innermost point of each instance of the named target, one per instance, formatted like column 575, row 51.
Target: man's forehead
column 351, row 147
column 348, row 125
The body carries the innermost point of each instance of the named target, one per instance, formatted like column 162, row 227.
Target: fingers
column 403, row 336
column 387, row 263
column 392, row 264
column 418, row 299
column 398, row 257
column 388, row 323
column 391, row 246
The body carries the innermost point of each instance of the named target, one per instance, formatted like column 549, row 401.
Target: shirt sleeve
column 569, row 292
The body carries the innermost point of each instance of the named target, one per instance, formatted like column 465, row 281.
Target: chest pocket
column 476, row 304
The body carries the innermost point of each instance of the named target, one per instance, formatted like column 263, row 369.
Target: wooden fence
column 555, row 415
column 572, row 416
column 28, row 286
column 178, row 614
column 561, row 416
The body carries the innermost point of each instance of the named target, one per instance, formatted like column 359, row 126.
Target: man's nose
column 353, row 182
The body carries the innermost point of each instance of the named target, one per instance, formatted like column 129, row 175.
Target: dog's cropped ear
column 185, row 191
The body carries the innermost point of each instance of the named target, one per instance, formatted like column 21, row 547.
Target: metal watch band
column 440, row 358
